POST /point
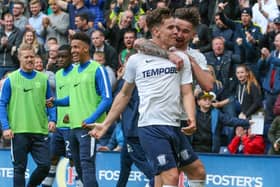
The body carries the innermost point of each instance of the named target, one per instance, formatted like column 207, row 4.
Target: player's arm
column 204, row 78
column 51, row 101
column 103, row 88
column 4, row 101
column 189, row 106
column 150, row 48
column 119, row 104
column 51, row 110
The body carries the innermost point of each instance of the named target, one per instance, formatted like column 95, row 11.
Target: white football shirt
column 158, row 83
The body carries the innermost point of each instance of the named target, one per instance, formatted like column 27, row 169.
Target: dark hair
column 19, row 3
column 82, row 37
column 52, row 38
column 130, row 30
column 65, row 47
column 157, row 16
column 8, row 14
column 190, row 14
column 83, row 16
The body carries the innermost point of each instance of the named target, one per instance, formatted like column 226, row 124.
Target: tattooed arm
column 149, row 48
column 204, row 78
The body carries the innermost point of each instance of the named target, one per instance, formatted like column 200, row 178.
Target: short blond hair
column 32, row 2
column 25, row 47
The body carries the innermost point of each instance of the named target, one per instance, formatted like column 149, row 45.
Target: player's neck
column 160, row 44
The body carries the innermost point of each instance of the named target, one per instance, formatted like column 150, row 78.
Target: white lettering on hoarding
column 238, row 181
column 110, row 175
column 9, row 173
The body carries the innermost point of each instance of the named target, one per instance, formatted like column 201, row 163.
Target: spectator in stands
column 56, row 24
column 30, row 38
column 224, row 61
column 81, row 22
column 52, row 58
column 142, row 29
column 129, row 38
column 248, row 93
column 220, row 103
column 39, row 66
column 247, row 34
column 10, row 39
column 220, row 29
column 96, row 6
column 274, row 136
column 152, row 4
column 19, row 19
column 99, row 44
column 4, row 8
column 116, row 141
column 268, row 39
column 270, row 75
column 100, row 58
column 50, row 41
column 36, row 19
column 133, row 5
column 276, row 108
column 116, row 31
column 202, row 40
column 247, row 143
column 74, row 8
column 264, row 11
column 210, row 122
column 206, row 9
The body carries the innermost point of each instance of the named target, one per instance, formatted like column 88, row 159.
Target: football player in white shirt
column 161, row 87
column 186, row 20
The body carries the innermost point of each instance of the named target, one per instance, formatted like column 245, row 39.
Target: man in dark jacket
column 248, row 36
column 10, row 39
column 220, row 29
column 223, row 62
column 99, row 44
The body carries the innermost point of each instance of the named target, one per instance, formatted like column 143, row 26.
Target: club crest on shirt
column 129, row 148
column 184, row 154
column 162, row 160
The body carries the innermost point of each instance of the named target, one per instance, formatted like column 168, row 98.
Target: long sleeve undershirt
column 103, row 89
column 6, row 96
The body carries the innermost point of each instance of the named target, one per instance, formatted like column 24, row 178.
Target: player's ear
column 86, row 49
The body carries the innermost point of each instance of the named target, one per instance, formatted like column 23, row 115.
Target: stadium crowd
column 236, row 41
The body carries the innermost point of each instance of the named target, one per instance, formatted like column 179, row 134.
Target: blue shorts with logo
column 60, row 144
column 166, row 147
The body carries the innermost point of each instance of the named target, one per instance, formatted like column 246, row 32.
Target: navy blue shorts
column 60, row 144
column 166, row 147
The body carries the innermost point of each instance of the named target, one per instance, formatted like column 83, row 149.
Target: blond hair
column 35, row 43
column 25, row 47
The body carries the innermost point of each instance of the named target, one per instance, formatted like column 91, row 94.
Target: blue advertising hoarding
column 222, row 170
